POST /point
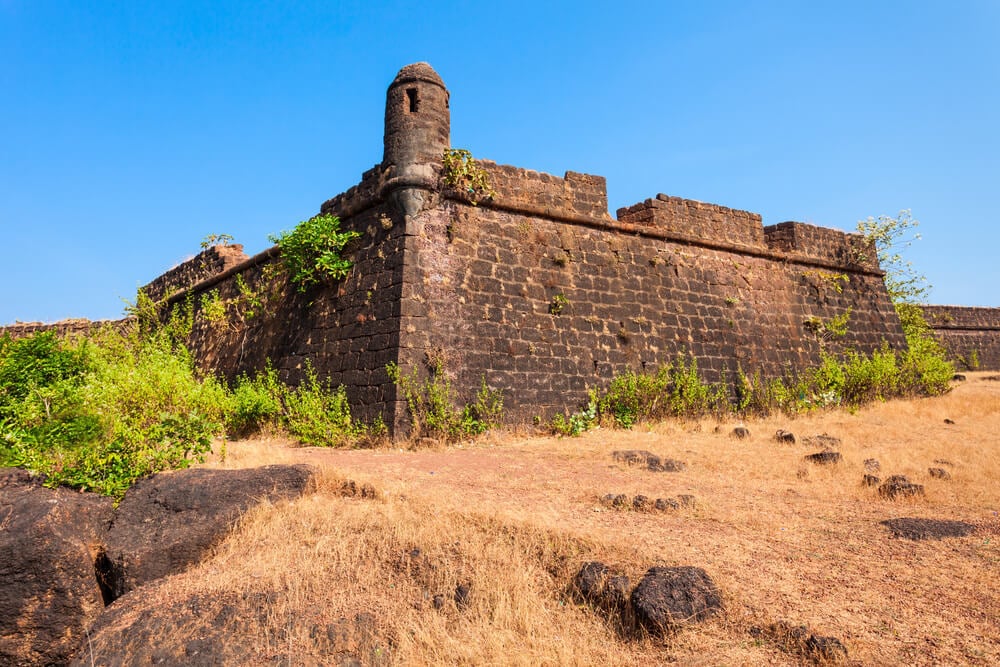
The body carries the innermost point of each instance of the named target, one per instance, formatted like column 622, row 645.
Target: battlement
column 575, row 195
column 206, row 264
column 687, row 218
column 822, row 243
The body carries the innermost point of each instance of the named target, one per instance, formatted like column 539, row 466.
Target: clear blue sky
column 130, row 130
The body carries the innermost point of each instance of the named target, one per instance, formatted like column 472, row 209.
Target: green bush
column 99, row 413
column 312, row 252
column 431, row 405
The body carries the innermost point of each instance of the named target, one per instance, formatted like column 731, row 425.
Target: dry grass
column 515, row 517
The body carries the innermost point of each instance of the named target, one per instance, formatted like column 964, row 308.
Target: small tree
column 925, row 361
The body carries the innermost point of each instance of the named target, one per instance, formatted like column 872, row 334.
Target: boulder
column 899, row 486
column 796, row 639
column 149, row 628
column 939, row 473
column 824, row 458
column 740, row 433
column 787, row 437
column 170, row 521
column 669, row 598
column 597, row 586
column 48, row 591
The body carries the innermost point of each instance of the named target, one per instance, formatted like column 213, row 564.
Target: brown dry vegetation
column 516, row 516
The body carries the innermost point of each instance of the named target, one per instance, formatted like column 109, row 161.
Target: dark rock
column 797, row 639
column 992, row 378
column 635, row 457
column 620, row 501
column 740, row 433
column 48, row 591
column 958, row 377
column 824, row 458
column 784, row 436
column 898, row 486
column 943, row 462
column 871, row 480
column 939, row 473
column 927, row 529
column 668, row 465
column 439, row 601
column 686, row 500
column 668, row 598
column 825, row 650
column 949, row 421
column 594, row 584
column 463, row 595
column 167, row 522
column 650, row 460
column 642, row 503
column 664, row 504
column 823, row 440
column 351, row 489
column 872, row 465
column 218, row 629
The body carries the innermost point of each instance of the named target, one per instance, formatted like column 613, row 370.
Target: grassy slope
column 517, row 515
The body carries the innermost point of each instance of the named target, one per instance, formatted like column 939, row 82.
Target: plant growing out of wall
column 312, row 252
column 462, row 172
column 212, row 240
column 558, row 303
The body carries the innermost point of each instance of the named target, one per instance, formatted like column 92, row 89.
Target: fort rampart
column 537, row 289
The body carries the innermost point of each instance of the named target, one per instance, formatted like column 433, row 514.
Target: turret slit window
column 411, row 97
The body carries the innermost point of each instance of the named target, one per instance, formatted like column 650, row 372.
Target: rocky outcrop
column 48, row 591
column 169, row 522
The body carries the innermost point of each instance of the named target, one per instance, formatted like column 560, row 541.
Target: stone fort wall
column 537, row 289
column 968, row 333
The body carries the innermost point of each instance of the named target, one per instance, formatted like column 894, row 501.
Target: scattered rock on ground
column 641, row 503
column 939, row 473
column 949, row 421
column 668, row 598
column 784, row 436
column 823, row 440
column 899, row 486
column 167, row 522
column 824, row 458
column 463, row 595
column 872, row 465
column 943, row 462
column 992, row 378
column 871, row 480
column 48, row 592
column 596, row 585
column 351, row 489
column 650, row 460
column 958, row 377
column 740, row 433
column 797, row 639
column 927, row 529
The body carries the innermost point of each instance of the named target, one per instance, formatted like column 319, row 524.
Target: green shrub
column 317, row 414
column 312, row 252
column 431, row 405
column 99, row 413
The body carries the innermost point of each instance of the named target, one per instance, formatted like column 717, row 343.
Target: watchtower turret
column 417, row 132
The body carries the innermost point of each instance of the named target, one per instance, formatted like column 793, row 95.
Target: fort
column 536, row 289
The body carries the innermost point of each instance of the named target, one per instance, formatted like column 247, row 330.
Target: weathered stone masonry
column 968, row 333
column 538, row 290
